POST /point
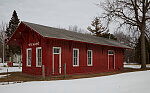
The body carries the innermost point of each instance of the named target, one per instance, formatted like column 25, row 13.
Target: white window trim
column 27, row 57
column 91, row 58
column 59, row 59
column 77, row 57
column 108, row 58
column 37, row 56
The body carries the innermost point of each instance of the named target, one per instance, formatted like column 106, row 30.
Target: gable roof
column 46, row 31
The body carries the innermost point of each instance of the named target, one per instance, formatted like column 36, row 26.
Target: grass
column 20, row 77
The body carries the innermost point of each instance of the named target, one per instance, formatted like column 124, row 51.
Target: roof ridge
column 67, row 30
column 54, row 27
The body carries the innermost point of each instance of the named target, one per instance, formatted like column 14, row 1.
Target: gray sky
column 54, row 13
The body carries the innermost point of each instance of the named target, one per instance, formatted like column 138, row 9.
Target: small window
column 56, row 50
column 110, row 52
column 75, row 57
column 38, row 56
column 29, row 54
column 89, row 57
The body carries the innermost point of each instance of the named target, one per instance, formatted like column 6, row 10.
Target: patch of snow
column 133, row 82
column 134, row 66
column 6, row 83
column 10, row 69
column 1, row 76
column 16, row 64
column 2, row 64
column 129, row 63
column 5, row 64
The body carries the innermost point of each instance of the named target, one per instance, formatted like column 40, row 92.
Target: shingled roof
column 46, row 31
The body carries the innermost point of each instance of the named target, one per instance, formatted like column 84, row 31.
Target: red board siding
column 100, row 55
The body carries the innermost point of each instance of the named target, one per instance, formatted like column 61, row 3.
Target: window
column 29, row 54
column 56, row 50
column 75, row 57
column 110, row 52
column 38, row 56
column 89, row 57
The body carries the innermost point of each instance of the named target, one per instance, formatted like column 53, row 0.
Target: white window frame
column 90, row 57
column 59, row 58
column 37, row 56
column 77, row 57
column 27, row 57
column 114, row 58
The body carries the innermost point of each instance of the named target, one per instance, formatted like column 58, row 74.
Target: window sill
column 75, row 65
column 28, row 66
column 90, row 65
column 38, row 66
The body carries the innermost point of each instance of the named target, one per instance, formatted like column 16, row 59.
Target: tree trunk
column 147, row 58
column 143, row 55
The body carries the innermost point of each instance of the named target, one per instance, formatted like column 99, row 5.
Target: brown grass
column 20, row 77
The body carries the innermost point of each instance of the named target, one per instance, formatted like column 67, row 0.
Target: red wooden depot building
column 52, row 47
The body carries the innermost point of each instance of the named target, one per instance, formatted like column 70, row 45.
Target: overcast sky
column 54, row 13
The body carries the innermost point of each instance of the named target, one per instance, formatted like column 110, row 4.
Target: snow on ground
column 133, row 82
column 10, row 69
column 5, row 64
column 136, row 66
column 1, row 76
column 2, row 64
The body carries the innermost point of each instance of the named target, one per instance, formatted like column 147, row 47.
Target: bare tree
column 129, row 39
column 134, row 14
column 2, row 39
column 75, row 28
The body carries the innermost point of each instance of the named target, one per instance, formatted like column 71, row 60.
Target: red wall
column 100, row 55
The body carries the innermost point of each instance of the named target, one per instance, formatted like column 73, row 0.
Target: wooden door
column 56, row 63
column 111, row 62
column 56, row 60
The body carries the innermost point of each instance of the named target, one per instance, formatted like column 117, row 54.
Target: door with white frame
column 111, row 59
column 56, row 60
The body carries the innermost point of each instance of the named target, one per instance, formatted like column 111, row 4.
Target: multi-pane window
column 89, row 57
column 29, row 54
column 75, row 57
column 38, row 56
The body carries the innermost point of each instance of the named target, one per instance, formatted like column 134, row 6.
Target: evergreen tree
column 98, row 27
column 13, row 24
column 99, row 30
